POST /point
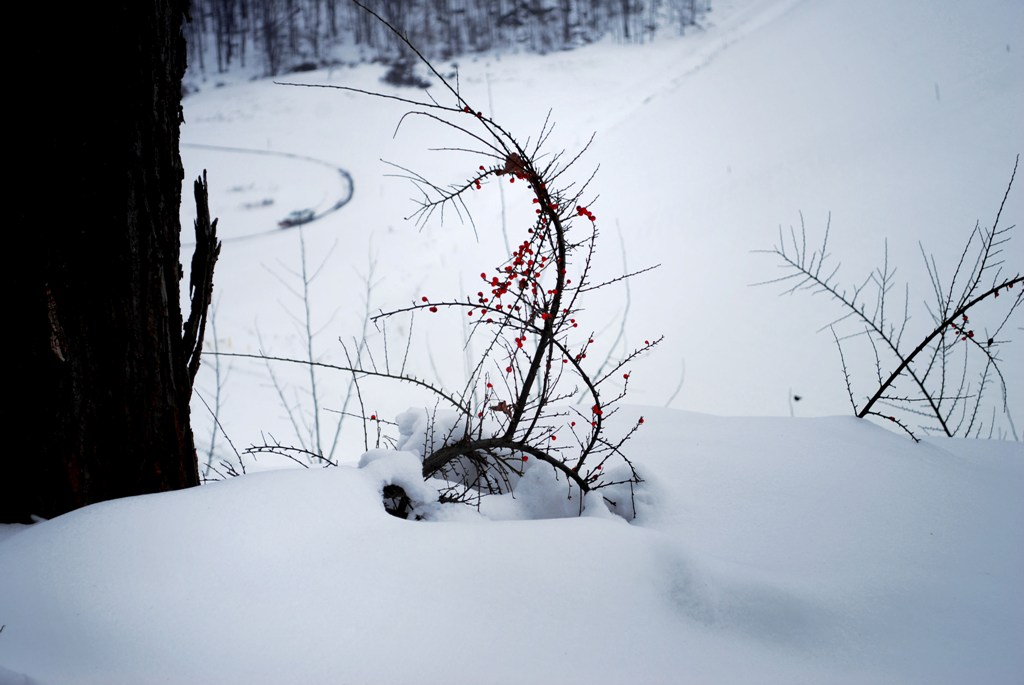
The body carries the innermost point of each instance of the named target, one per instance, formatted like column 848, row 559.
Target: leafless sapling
column 940, row 382
column 527, row 314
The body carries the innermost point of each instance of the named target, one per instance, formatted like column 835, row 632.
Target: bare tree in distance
column 287, row 36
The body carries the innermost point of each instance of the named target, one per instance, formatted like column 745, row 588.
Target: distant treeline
column 275, row 36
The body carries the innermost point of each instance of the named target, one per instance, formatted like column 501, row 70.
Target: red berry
column 433, row 309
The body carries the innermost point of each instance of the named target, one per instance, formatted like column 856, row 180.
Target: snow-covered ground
column 766, row 549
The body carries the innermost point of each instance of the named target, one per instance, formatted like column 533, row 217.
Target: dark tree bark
column 106, row 383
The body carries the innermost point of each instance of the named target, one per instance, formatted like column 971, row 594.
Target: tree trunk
column 106, row 395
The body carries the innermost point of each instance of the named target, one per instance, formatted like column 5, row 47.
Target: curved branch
column 379, row 374
column 905, row 362
column 467, row 447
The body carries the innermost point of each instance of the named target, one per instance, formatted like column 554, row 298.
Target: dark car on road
column 296, row 218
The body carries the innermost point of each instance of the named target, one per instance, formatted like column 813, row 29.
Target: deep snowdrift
column 765, row 550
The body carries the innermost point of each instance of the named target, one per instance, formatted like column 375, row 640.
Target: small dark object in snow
column 296, row 218
column 402, row 74
column 396, row 502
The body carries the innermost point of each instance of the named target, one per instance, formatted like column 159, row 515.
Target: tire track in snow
column 341, row 202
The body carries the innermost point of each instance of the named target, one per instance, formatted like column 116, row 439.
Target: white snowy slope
column 767, row 550
column 901, row 121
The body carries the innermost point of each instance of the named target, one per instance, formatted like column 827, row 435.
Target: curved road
column 249, row 151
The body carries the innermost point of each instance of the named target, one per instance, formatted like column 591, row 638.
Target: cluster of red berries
column 583, row 211
column 521, row 275
column 433, row 308
column 1009, row 286
column 960, row 329
column 553, row 206
column 522, row 270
